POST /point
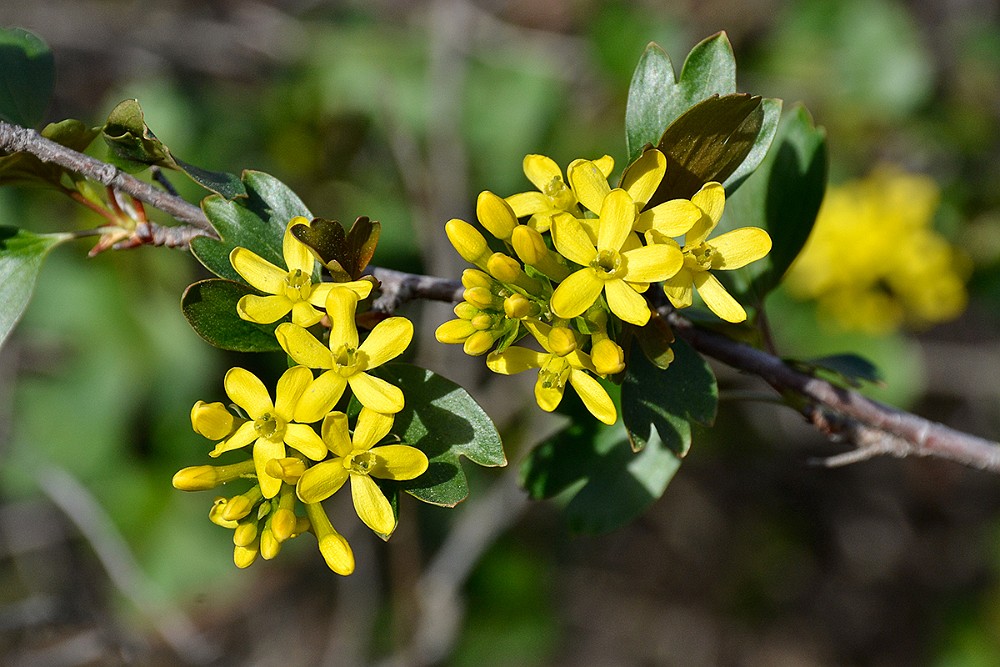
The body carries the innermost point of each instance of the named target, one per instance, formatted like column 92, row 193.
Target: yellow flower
column 345, row 362
column 359, row 459
column 271, row 425
column 553, row 195
column 873, row 261
column 335, row 549
column 731, row 250
column 618, row 265
column 562, row 362
column 291, row 289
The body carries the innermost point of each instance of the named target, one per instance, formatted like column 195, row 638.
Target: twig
column 399, row 287
column 15, row 139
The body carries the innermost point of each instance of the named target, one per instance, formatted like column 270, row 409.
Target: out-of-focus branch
column 841, row 414
column 15, row 139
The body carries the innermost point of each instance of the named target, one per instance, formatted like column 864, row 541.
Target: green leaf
column 846, row 370
column 210, row 309
column 256, row 222
column 662, row 404
column 783, row 197
column 442, row 420
column 771, row 109
column 656, row 98
column 27, row 77
column 21, row 256
column 593, row 470
column 26, row 168
column 708, row 143
column 133, row 145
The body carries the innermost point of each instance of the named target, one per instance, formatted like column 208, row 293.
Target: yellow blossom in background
column 357, row 458
column 289, row 290
column 345, row 362
column 702, row 255
column 873, row 262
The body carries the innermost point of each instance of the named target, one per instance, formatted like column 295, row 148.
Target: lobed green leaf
column 210, row 309
column 21, row 256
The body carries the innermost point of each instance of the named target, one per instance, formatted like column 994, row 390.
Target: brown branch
column 841, row 414
column 15, row 139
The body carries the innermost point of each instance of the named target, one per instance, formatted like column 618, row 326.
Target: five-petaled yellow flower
column 553, row 195
column 271, row 425
column 562, row 362
column 345, row 362
column 289, row 290
column 619, row 265
column 359, row 459
column 731, row 250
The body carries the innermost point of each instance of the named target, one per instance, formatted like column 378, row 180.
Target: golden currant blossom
column 553, row 195
column 562, row 362
column 359, row 459
column 618, row 266
column 345, row 362
column 291, row 289
column 731, row 250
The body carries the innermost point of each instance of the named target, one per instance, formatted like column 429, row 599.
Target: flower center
column 562, row 197
column 554, row 373
column 608, row 264
column 269, row 426
column 701, row 255
column 360, row 462
column 348, row 360
column 298, row 285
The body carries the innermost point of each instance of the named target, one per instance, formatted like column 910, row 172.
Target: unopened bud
column 478, row 343
column 530, row 247
column 476, row 278
column 469, row 243
column 335, row 549
column 517, row 306
column 212, row 420
column 608, row 357
column 245, row 556
column 269, row 545
column 495, row 215
column 245, row 533
column 287, row 469
column 454, row 332
column 465, row 310
column 508, row 270
column 480, row 297
column 283, row 524
column 482, row 322
column 196, row 478
column 240, row 506
column 215, row 514
column 562, row 341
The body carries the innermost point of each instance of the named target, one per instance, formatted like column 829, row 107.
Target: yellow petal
column 495, row 215
column 652, row 263
column 606, row 164
column 303, row 347
column 679, row 288
column 528, row 203
column 341, row 306
column 514, row 360
column 571, row 240
column 336, row 435
column 371, row 505
column 644, row 175
column 376, row 394
column 617, row 218
column 212, row 420
column 291, row 384
column 739, row 247
column 320, row 397
column 371, row 427
column 671, row 218
column 321, row 481
column 400, row 462
column 718, row 300
column 626, row 303
column 304, row 314
column 243, row 436
column 594, row 396
column 263, row 451
column 297, row 254
column 576, row 294
column 540, row 170
column 248, row 392
column 548, row 398
column 387, row 340
column 257, row 271
column 711, row 199
column 589, row 184
column 263, row 309
column 304, row 439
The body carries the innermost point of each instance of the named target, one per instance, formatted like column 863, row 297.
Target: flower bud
column 335, row 549
column 469, row 243
column 283, row 524
column 608, row 357
column 196, row 478
column 245, row 533
column 481, row 297
column 215, row 514
column 562, row 341
column 287, row 469
column 531, row 249
column 212, row 420
column 240, row 506
column 495, row 215
column 269, row 545
column 482, row 322
column 517, row 306
column 454, row 332
column 465, row 310
column 478, row 343
column 475, row 278
column 245, row 556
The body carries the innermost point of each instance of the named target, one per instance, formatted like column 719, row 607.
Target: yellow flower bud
column 481, row 297
column 454, row 332
column 288, row 469
column 496, row 215
column 608, row 357
column 245, row 533
column 466, row 310
column 240, row 506
column 196, row 478
column 475, row 278
column 269, row 545
column 562, row 341
column 215, row 514
column 283, row 524
column 482, row 322
column 245, row 556
column 478, row 343
column 531, row 249
column 468, row 242
column 335, row 549
column 517, row 306
column 212, row 420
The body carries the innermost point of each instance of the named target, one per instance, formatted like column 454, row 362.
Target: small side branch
column 399, row 287
column 15, row 139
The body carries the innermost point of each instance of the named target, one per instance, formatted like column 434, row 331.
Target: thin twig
column 15, row 139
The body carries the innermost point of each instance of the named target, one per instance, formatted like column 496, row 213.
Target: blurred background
column 404, row 111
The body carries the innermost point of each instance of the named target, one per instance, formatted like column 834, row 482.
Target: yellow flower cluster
column 575, row 271
column 873, row 261
column 292, row 462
